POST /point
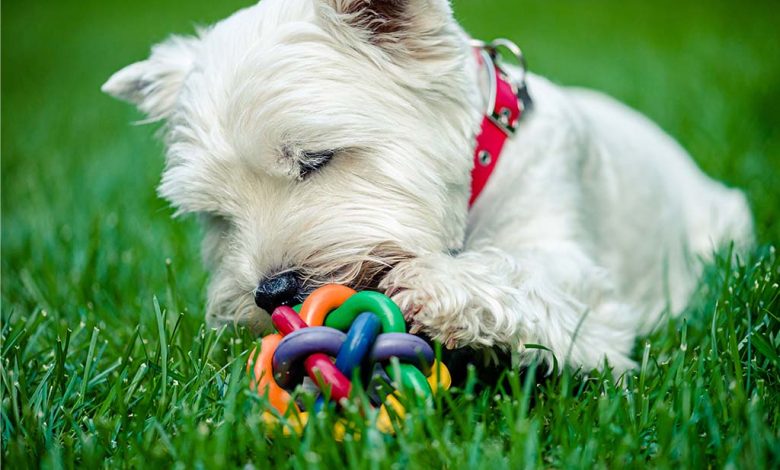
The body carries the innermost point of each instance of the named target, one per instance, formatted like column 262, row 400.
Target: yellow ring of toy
column 439, row 379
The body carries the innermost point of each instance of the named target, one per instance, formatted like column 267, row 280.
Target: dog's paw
column 430, row 318
column 405, row 287
column 437, row 302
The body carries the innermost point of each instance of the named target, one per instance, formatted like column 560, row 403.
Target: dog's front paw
column 435, row 302
column 404, row 285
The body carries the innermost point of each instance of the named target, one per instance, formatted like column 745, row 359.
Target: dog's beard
column 360, row 271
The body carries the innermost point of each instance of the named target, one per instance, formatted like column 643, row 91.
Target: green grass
column 94, row 374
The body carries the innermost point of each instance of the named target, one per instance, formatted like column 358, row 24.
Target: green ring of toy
column 367, row 301
column 408, row 377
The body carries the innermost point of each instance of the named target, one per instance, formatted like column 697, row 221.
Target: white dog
column 330, row 141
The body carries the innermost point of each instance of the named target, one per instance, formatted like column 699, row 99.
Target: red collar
column 507, row 101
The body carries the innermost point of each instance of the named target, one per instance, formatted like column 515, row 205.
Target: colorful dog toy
column 337, row 333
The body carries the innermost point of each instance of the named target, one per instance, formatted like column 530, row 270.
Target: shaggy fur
column 336, row 137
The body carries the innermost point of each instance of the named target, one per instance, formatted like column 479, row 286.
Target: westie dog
column 325, row 141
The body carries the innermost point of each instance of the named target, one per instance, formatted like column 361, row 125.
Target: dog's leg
column 553, row 296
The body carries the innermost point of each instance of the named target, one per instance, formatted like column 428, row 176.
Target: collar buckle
column 490, row 53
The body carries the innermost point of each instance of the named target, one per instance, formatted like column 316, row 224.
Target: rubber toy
column 338, row 334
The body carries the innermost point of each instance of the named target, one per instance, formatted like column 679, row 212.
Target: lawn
column 105, row 359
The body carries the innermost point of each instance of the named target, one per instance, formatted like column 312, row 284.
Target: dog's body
column 335, row 139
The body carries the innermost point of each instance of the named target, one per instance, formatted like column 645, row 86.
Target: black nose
column 281, row 289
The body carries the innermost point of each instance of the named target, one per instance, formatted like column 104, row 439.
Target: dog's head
column 318, row 140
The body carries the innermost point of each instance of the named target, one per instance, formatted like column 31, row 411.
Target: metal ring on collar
column 517, row 54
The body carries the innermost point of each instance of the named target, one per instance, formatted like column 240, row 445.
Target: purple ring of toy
column 294, row 348
column 407, row 348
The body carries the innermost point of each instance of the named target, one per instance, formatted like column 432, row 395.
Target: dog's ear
column 153, row 84
column 394, row 22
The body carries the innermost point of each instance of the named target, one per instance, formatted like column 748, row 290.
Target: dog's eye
column 313, row 161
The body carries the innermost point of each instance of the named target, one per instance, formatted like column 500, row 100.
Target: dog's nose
column 281, row 289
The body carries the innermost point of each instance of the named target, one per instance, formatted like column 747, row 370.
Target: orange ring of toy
column 320, row 303
column 263, row 377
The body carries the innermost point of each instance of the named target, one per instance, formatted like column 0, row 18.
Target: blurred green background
column 80, row 218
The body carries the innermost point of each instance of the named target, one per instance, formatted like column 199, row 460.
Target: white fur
column 594, row 224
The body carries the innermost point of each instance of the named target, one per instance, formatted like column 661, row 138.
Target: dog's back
column 655, row 200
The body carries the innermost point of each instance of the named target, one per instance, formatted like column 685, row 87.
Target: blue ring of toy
column 359, row 341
